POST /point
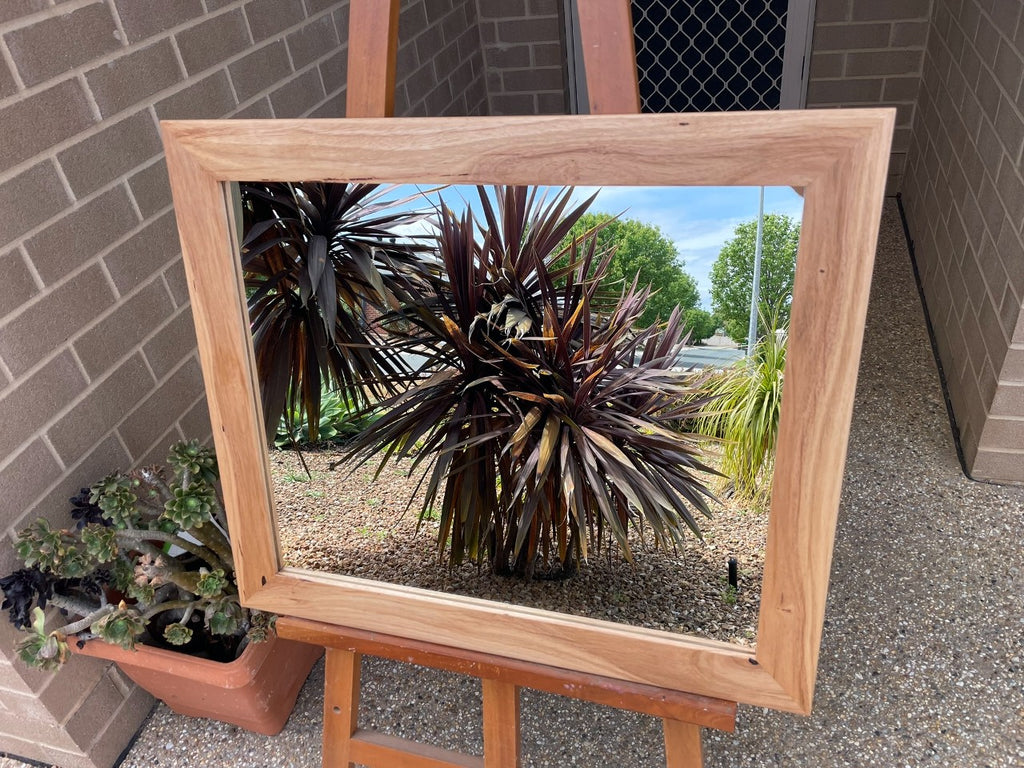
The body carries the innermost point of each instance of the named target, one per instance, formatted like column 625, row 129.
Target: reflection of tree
column 644, row 253
column 733, row 271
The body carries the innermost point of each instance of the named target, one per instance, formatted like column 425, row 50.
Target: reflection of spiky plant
column 160, row 541
column 547, row 421
column 316, row 257
column 744, row 412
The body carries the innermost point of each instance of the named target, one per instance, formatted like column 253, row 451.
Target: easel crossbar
column 668, row 704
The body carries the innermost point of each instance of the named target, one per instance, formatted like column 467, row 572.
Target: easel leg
column 682, row 745
column 341, row 706
column 501, row 724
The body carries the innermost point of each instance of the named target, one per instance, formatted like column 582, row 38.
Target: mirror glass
column 375, row 258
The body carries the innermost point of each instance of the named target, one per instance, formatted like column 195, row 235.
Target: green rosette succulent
column 120, row 627
column 260, row 626
column 192, row 458
column 211, row 583
column 115, row 496
column 41, row 650
column 224, row 616
column 100, row 542
column 191, row 506
column 177, row 634
column 51, row 550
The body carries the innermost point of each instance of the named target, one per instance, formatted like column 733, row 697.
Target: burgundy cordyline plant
column 543, row 419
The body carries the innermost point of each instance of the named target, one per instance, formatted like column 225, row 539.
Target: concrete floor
column 921, row 660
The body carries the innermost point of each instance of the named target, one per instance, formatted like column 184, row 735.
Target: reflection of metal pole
column 755, row 288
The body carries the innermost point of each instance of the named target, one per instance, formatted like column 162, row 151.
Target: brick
column 26, row 478
column 36, row 123
column 171, row 344
column 28, row 407
column 333, row 107
column 209, row 98
column 1011, row 191
column 58, row 44
column 312, row 41
column 1010, row 129
column 101, row 410
column 95, row 162
column 1008, row 68
column 15, row 9
column 548, row 55
column 551, row 104
column 268, row 18
column 846, row 37
column 525, row 30
column 158, row 412
column 861, row 91
column 29, row 199
column 341, row 24
column 260, row 69
column 870, row 10
column 900, row 88
column 1013, row 365
column 74, row 239
column 151, row 188
column 543, row 7
column 17, row 286
column 883, row 63
column 826, row 65
column 314, row 7
column 909, row 34
column 258, row 110
column 832, row 10
column 532, row 80
column 7, row 84
column 121, row 729
column 116, row 335
column 145, row 18
column 298, row 95
column 1000, row 465
column 334, row 71
column 174, row 276
column 1008, row 400
column 196, row 422
column 106, row 456
column 144, row 254
column 133, row 78
column 1009, row 311
column 512, row 104
column 212, row 41
column 92, row 715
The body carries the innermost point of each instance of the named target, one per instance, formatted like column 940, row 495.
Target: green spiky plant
column 744, row 412
column 543, row 427
column 158, row 539
column 318, row 259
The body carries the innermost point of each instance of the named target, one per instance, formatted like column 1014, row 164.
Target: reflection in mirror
column 564, row 399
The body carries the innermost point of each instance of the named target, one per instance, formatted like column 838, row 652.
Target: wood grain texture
column 683, row 747
column 501, row 724
column 381, row 750
column 372, row 57
column 342, row 681
column 838, row 156
column 609, row 57
column 649, row 700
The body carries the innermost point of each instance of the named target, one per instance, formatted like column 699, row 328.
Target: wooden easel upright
column 606, row 33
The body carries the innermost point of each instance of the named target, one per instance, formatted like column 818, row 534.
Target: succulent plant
column 156, row 536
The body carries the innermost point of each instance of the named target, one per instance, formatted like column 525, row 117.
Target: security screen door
column 711, row 55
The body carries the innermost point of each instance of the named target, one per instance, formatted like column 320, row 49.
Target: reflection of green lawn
column 344, row 522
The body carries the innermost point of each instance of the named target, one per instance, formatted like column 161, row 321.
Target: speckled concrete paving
column 921, row 661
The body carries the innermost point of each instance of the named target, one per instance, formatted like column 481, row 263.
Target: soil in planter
column 344, row 522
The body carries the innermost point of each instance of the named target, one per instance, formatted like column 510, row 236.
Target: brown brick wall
column 98, row 368
column 524, row 51
column 869, row 53
column 964, row 197
column 440, row 68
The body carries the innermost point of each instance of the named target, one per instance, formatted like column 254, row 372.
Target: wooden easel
column 608, row 53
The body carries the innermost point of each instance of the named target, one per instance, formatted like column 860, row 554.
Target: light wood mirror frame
column 838, row 158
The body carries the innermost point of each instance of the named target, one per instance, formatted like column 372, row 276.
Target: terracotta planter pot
column 256, row 691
